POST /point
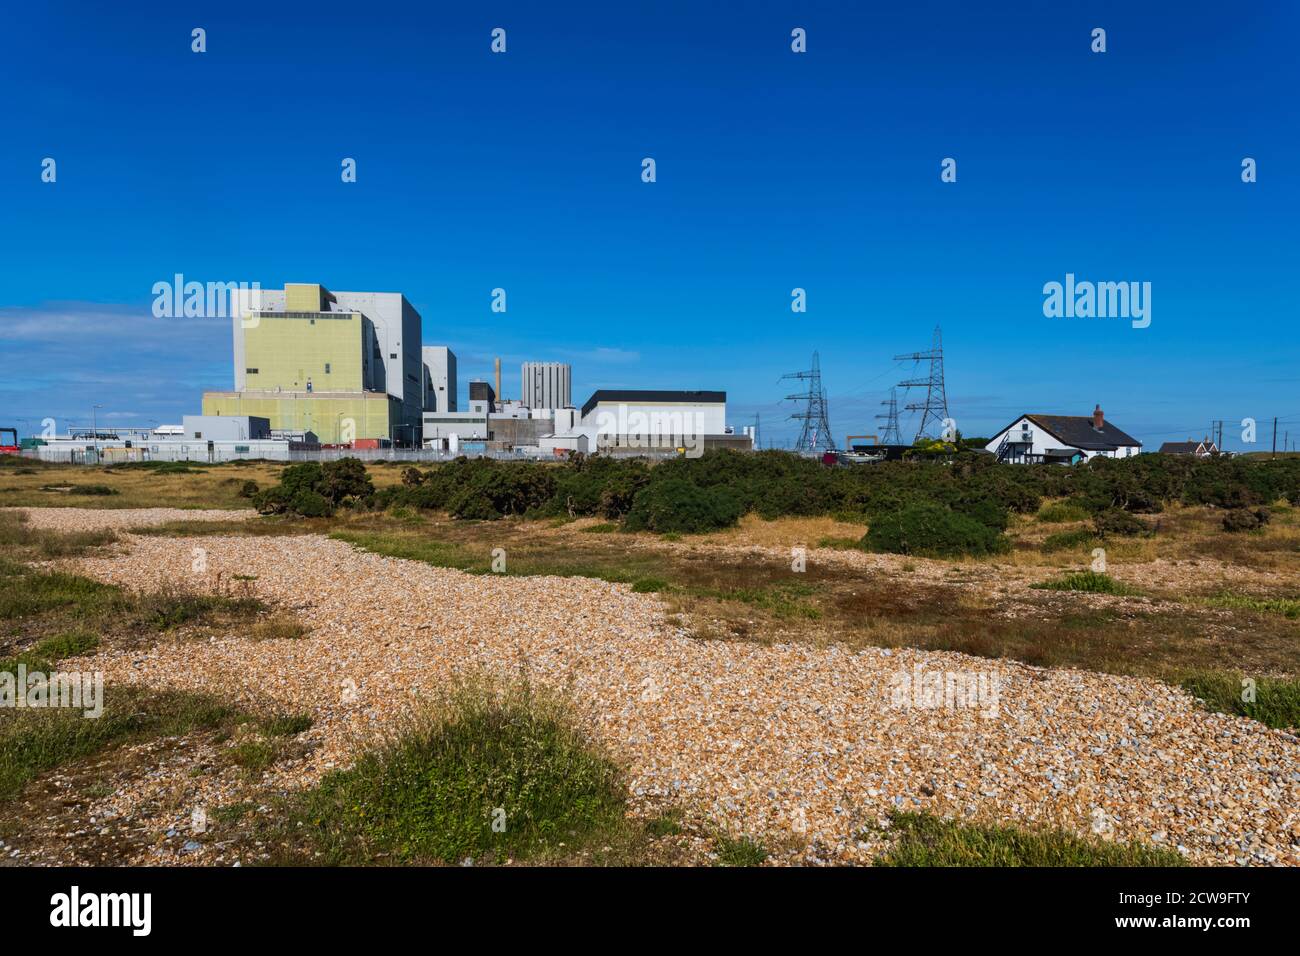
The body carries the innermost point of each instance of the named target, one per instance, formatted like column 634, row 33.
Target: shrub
column 1066, row 540
column 930, row 529
column 1063, row 511
column 311, row 504
column 314, row 490
column 1114, row 521
column 1245, row 519
column 344, row 480
column 502, row 489
column 677, row 505
column 434, row 793
column 248, row 489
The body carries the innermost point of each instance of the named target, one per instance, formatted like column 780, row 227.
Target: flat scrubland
column 392, row 684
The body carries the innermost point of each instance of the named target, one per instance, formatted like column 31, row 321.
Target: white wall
column 1043, row 440
column 657, row 418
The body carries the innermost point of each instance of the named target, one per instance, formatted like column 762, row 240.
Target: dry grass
column 204, row 486
column 280, row 626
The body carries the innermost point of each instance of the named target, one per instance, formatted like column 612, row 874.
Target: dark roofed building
column 633, row 396
column 1199, row 449
column 1034, row 437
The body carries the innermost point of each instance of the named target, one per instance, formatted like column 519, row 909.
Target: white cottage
column 1064, row 439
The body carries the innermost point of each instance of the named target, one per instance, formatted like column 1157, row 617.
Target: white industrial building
column 225, row 427
column 439, row 378
column 545, row 385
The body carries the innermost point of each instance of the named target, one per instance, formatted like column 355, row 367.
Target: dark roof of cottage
column 1180, row 447
column 1076, row 431
column 636, row 396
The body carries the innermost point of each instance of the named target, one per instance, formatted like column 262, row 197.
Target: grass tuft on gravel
column 495, row 773
column 1276, row 702
column 1287, row 607
column 1090, row 581
column 45, row 654
column 33, row 742
column 922, row 839
column 738, row 850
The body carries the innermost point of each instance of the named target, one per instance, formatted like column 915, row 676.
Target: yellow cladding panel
column 334, row 419
column 287, row 353
column 303, row 297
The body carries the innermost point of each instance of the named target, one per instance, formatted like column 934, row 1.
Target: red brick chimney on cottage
column 1098, row 418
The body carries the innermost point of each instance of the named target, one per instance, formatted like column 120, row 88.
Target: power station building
column 439, row 378
column 344, row 365
column 546, row 385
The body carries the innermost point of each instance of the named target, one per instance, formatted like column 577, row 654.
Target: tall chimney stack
column 1098, row 418
column 500, row 397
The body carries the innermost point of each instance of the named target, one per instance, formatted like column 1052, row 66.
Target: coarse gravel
column 799, row 746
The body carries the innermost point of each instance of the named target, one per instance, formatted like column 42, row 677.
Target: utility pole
column 1274, row 436
column 816, row 432
column 935, row 407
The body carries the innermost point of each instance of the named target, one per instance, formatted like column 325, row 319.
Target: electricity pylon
column 891, row 435
column 816, row 432
column 934, row 410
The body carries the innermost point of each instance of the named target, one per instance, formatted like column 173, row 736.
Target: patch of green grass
column 253, row 755
column 25, row 592
column 1287, row 607
column 494, row 774
column 926, row 840
column 1090, row 581
column 649, row 585
column 782, row 600
column 668, row 824
column 287, row 725
column 33, row 742
column 738, row 850
column 1275, row 703
column 164, row 610
column 45, row 654
column 1068, row 540
column 443, row 554
column 19, row 539
column 231, row 812
column 72, row 489
column 1062, row 511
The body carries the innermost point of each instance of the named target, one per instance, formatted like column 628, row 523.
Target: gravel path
column 99, row 519
column 799, row 745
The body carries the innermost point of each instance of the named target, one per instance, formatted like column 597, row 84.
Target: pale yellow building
column 343, row 365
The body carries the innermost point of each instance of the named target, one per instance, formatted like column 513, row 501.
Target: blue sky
column 775, row 170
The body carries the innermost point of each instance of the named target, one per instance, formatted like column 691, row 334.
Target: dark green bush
column 344, row 480
column 933, row 530
column 1114, row 521
column 248, row 489
column 314, row 490
column 676, row 505
column 1245, row 519
column 311, row 504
